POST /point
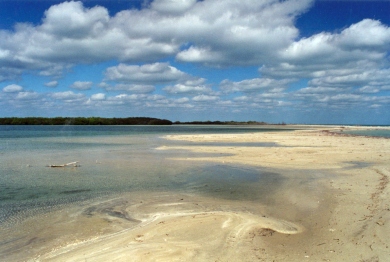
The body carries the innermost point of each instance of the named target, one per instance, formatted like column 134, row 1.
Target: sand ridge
column 173, row 231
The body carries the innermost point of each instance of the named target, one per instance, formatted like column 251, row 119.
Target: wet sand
column 333, row 205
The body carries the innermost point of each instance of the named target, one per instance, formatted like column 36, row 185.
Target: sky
column 278, row 61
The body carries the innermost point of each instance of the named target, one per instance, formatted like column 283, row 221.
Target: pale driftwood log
column 65, row 165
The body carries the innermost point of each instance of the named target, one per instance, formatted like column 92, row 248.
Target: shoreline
column 331, row 205
column 360, row 219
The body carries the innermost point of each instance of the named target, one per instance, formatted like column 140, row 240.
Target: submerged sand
column 333, row 206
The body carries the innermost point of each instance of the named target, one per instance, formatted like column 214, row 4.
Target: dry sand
column 343, row 214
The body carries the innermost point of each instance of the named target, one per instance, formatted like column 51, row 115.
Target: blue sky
column 292, row 61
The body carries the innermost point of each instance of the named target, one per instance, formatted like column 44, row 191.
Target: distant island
column 113, row 121
column 83, row 121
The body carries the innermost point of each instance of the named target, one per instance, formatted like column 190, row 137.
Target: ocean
column 379, row 132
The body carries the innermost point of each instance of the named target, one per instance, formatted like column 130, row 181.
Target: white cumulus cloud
column 172, row 6
column 251, row 85
column 205, row 98
column 148, row 73
column 98, row 96
column 12, row 88
column 82, row 85
column 187, row 89
column 28, row 95
column 52, row 84
column 199, row 31
column 356, row 49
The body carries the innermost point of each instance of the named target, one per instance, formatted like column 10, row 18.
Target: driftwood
column 74, row 164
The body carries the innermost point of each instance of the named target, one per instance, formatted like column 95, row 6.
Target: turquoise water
column 112, row 159
column 372, row 132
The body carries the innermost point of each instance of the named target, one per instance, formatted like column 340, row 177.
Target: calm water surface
column 112, row 159
column 372, row 132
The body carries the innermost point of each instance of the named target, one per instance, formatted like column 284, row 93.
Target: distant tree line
column 83, row 121
column 220, row 123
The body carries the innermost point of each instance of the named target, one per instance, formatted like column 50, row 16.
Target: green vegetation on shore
column 112, row 121
column 83, row 121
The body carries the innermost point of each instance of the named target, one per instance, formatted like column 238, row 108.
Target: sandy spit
column 359, row 220
column 348, row 220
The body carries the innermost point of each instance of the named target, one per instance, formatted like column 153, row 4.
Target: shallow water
column 113, row 161
column 381, row 132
